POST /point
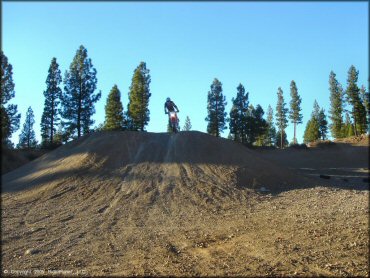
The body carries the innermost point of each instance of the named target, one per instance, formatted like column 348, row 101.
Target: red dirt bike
column 174, row 121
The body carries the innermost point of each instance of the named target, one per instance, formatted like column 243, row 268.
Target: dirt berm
column 187, row 204
column 165, row 162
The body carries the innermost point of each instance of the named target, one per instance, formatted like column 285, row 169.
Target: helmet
column 168, row 99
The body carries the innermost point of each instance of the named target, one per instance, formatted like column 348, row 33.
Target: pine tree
column 281, row 140
column 114, row 110
column 295, row 108
column 61, row 136
column 127, row 121
column 79, row 98
column 281, row 111
column 323, row 124
column 347, row 129
column 250, row 126
column 187, row 125
column 260, row 125
column 137, row 110
column 270, row 130
column 233, row 116
column 58, row 136
column 316, row 110
column 9, row 112
column 365, row 98
column 99, row 127
column 238, row 115
column 216, row 109
column 336, row 106
column 256, row 126
column 353, row 97
column 350, row 130
column 27, row 138
column 312, row 131
column 53, row 94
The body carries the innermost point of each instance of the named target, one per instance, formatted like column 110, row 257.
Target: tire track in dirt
column 131, row 203
column 121, row 190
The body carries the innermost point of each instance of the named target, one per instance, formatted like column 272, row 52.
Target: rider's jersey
column 170, row 105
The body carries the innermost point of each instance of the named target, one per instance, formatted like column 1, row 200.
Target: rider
column 170, row 106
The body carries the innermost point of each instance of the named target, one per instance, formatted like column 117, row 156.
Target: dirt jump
column 185, row 204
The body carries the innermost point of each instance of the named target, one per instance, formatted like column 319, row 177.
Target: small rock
column 31, row 251
column 264, row 189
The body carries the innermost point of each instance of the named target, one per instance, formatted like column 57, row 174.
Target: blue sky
column 186, row 45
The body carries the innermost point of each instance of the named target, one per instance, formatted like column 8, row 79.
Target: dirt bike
column 174, row 121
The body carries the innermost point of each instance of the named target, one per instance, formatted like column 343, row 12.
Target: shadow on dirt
column 342, row 166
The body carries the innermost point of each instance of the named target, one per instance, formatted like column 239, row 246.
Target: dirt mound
column 13, row 159
column 134, row 203
column 137, row 158
column 361, row 140
column 321, row 144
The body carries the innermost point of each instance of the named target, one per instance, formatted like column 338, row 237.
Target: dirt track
column 129, row 203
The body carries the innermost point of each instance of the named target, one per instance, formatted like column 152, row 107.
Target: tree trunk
column 28, row 140
column 143, row 111
column 281, row 139
column 52, row 121
column 217, row 134
column 79, row 112
column 295, row 140
column 28, row 134
column 354, row 122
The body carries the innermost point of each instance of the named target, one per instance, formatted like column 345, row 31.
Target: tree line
column 68, row 112
column 247, row 125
